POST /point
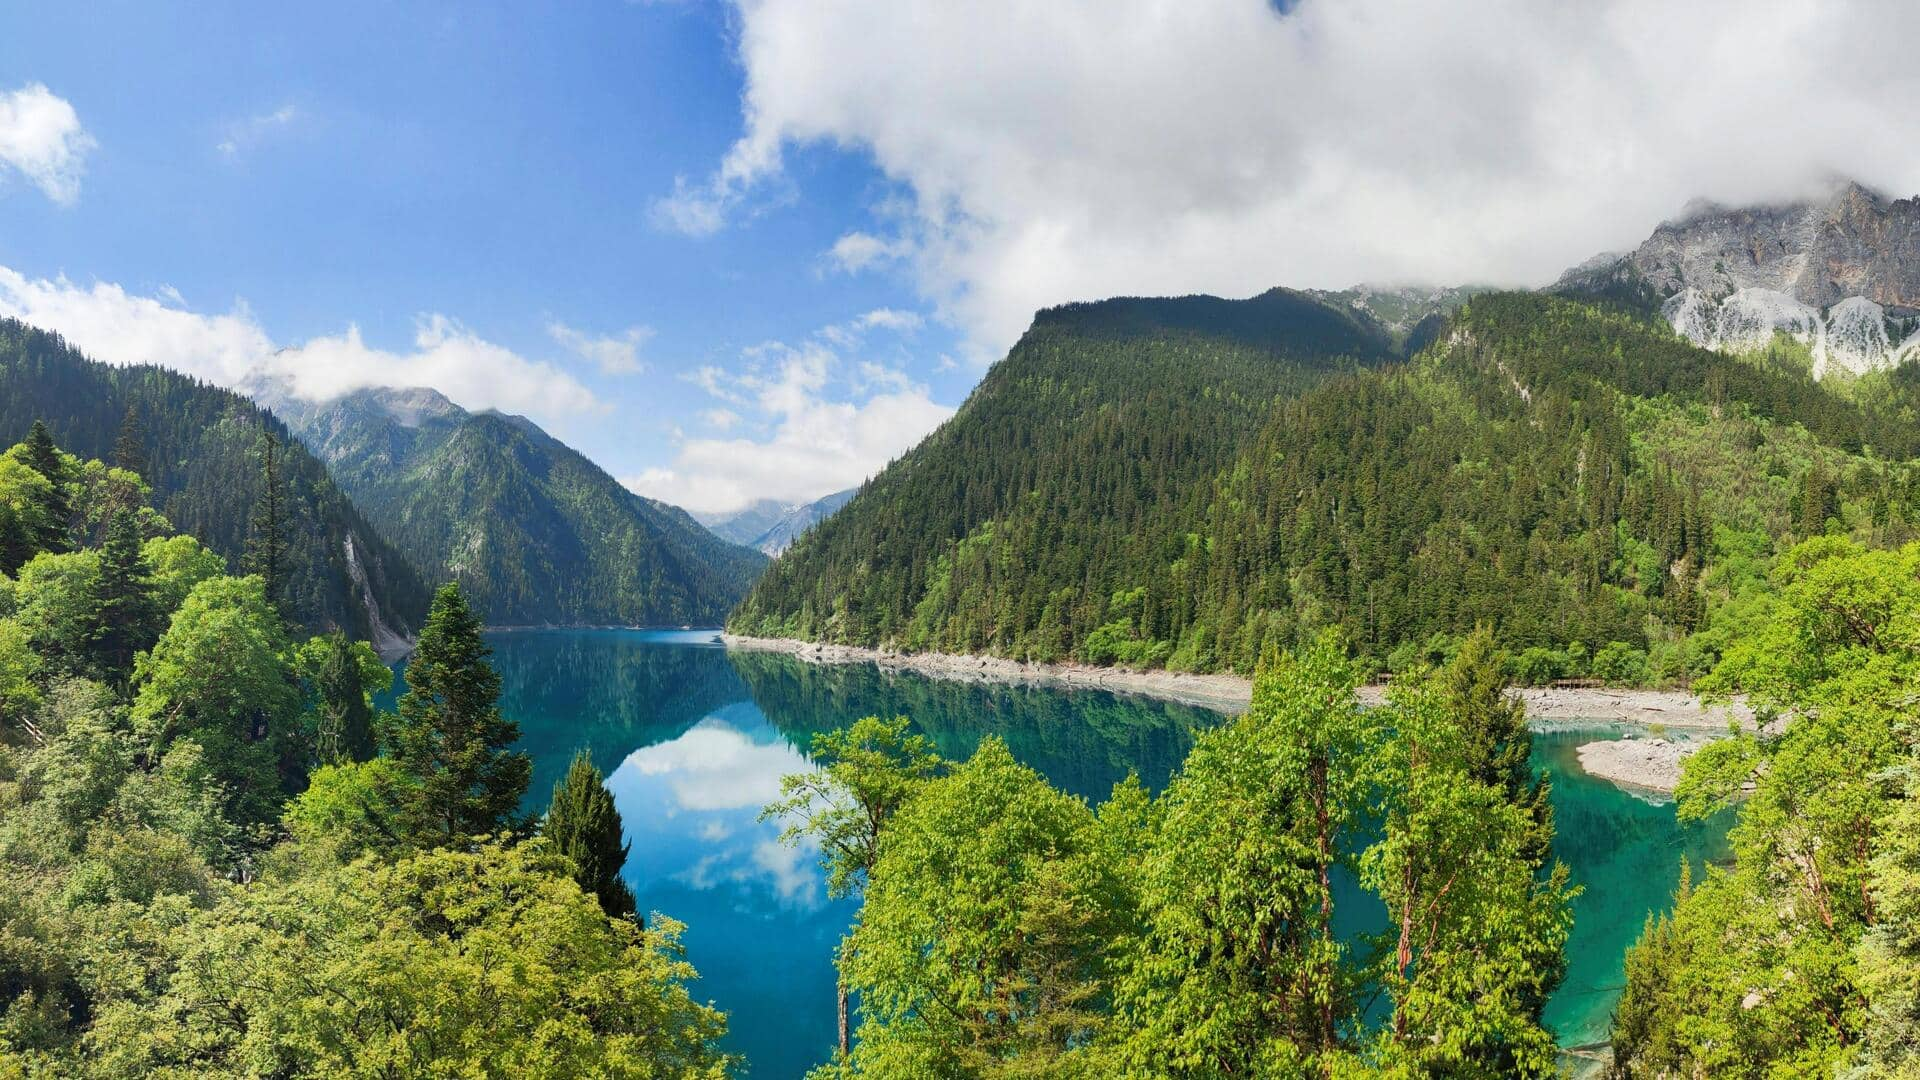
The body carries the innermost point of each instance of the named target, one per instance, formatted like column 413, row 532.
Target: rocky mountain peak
column 1840, row 274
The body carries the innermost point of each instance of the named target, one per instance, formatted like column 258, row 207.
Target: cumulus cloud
column 118, row 327
column 617, row 354
column 42, row 140
column 825, row 420
column 1087, row 148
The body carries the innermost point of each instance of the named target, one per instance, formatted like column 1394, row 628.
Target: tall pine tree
column 346, row 719
column 57, row 510
column 451, row 736
column 266, row 553
column 583, row 824
column 130, row 445
column 125, row 621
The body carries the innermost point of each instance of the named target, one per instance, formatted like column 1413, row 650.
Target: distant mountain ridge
column 771, row 526
column 201, row 444
column 1839, row 276
column 534, row 532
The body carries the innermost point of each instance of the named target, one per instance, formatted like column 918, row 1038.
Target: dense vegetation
column 222, row 862
column 1070, row 469
column 1602, row 494
column 1801, row 958
column 534, row 532
column 199, row 447
column 1009, row 929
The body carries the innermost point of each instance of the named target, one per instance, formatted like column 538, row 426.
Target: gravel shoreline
column 1231, row 693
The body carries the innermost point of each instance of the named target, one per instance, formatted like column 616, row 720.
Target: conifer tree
column 584, row 825
column 129, row 447
column 346, row 720
column 126, row 621
column 451, row 736
column 266, row 553
column 57, row 510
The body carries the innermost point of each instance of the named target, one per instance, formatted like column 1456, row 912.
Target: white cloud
column 615, row 355
column 42, row 140
column 1087, row 148
column 826, row 422
column 118, row 327
column 243, row 134
column 856, row 251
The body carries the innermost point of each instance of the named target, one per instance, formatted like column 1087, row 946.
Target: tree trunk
column 846, row 1044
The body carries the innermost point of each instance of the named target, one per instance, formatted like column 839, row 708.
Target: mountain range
column 535, row 533
column 1190, row 482
column 771, row 526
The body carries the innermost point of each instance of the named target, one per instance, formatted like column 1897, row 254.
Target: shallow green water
column 694, row 740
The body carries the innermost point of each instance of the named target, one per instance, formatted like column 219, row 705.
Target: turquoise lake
column 694, row 738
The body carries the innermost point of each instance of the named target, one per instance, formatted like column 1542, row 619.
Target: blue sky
column 366, row 165
column 755, row 248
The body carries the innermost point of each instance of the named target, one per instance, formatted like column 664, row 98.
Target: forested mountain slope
column 202, row 445
column 1598, row 490
column 1076, row 467
column 533, row 531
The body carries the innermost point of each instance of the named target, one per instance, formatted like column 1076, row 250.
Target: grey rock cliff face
column 1840, row 275
column 1854, row 243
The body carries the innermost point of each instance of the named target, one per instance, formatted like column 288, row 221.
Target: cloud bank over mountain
column 1087, row 148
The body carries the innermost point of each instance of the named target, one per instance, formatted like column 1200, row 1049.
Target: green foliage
column 200, row 445
column 982, row 947
column 218, row 677
column 168, row 911
column 1790, row 962
column 450, row 737
column 583, row 825
column 348, row 674
column 482, row 963
column 1008, row 930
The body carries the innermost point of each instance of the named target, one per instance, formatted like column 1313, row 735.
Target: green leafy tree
column 865, row 775
column 1781, row 963
column 982, row 948
column 24, row 510
column 483, row 963
column 1478, row 934
column 175, row 565
column 583, row 824
column 218, row 677
column 1239, row 970
column 450, row 735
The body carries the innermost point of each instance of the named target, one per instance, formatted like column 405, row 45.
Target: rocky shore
column 1231, row 693
column 1652, row 764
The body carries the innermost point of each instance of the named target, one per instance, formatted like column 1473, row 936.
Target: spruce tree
column 57, row 511
column 125, row 621
column 346, row 720
column 584, row 825
column 266, row 553
column 129, row 447
column 450, row 735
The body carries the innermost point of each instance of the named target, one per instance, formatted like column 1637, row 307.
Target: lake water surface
column 694, row 739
